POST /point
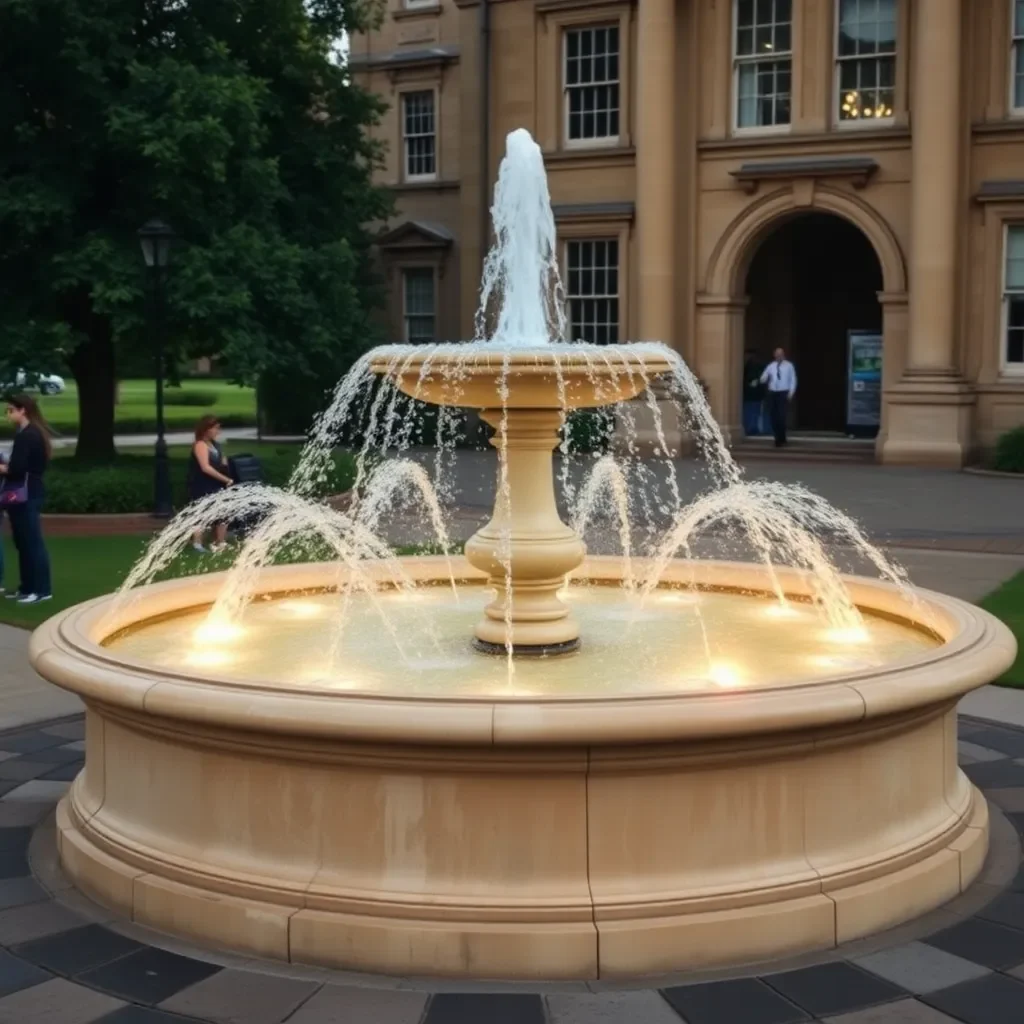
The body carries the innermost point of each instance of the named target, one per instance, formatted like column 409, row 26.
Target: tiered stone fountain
column 606, row 800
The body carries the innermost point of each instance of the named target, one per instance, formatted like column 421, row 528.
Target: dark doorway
column 812, row 281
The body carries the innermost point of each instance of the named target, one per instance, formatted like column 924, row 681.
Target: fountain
column 630, row 764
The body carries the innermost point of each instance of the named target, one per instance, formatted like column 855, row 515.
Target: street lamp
column 156, row 239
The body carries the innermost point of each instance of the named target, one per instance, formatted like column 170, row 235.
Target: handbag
column 14, row 494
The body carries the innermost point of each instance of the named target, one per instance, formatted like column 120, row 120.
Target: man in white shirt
column 780, row 376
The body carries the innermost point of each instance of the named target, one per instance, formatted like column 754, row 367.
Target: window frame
column 1016, row 64
column 607, row 237
column 866, row 124
column 418, row 5
column 403, row 137
column 738, row 62
column 404, row 271
column 1007, row 368
column 604, row 141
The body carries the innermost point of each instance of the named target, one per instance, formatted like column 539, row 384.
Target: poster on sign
column 864, row 383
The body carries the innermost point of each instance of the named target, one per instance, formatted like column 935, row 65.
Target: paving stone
column 1009, row 742
column 1007, row 909
column 144, row 1015
column 29, row 742
column 981, row 942
column 834, row 988
column 22, row 924
column 906, row 1011
column 20, row 769
column 986, row 774
column 977, row 753
column 63, row 754
column 64, row 773
column 746, row 999
column 346, row 1004
column 995, row 999
column 76, row 730
column 613, row 1008
column 14, row 813
column 480, row 1009
column 14, row 863
column 19, row 892
column 54, row 1001
column 80, row 949
column 38, row 791
column 15, row 838
column 16, row 974
column 149, row 976
column 245, row 997
column 1009, row 799
column 919, row 968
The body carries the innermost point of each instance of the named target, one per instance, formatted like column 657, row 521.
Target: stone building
column 729, row 175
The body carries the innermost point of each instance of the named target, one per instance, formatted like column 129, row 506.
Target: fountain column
column 656, row 169
column 928, row 411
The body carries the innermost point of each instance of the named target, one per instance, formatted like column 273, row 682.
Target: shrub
column 194, row 397
column 1009, row 454
column 590, row 430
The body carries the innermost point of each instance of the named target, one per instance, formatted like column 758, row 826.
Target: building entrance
column 812, row 281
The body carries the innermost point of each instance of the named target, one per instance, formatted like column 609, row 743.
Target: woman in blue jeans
column 27, row 466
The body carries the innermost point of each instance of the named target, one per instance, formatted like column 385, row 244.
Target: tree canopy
column 229, row 119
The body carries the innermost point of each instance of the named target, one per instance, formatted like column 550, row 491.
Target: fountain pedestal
column 526, row 550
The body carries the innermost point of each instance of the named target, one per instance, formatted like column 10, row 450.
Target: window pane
column 1015, row 344
column 763, row 94
column 419, row 291
column 1018, row 18
column 593, row 277
column 592, row 83
column 1018, row 75
column 419, row 134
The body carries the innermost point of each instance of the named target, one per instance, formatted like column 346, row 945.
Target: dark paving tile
column 831, row 989
column 19, row 892
column 30, row 742
column 981, row 942
column 451, row 1008
column 14, row 863
column 16, row 813
column 74, row 730
column 1007, row 909
column 77, row 950
column 16, row 974
column 58, row 755
column 142, row 1015
column 149, row 976
column 1017, row 885
column 1006, row 741
column 994, row 999
column 15, row 838
column 65, row 773
column 747, row 999
column 21, row 769
column 984, row 774
column 1017, row 820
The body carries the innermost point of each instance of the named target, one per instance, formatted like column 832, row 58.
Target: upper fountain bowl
column 547, row 376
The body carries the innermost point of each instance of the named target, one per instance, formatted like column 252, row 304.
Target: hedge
column 1009, row 453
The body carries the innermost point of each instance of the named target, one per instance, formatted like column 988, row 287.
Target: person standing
column 23, row 484
column 753, row 396
column 780, row 376
column 208, row 474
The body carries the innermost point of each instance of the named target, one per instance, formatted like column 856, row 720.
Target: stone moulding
column 522, row 838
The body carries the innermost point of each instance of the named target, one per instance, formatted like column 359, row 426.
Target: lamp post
column 156, row 239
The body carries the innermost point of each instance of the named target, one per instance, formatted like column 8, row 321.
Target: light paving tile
column 1010, row 800
column 343, row 1004
column 907, row 1011
column 920, row 968
column 22, row 924
column 54, row 1001
column 38, row 790
column 610, row 1008
column 977, row 752
column 242, row 997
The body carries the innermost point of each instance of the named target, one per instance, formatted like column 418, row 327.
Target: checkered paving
column 63, row 962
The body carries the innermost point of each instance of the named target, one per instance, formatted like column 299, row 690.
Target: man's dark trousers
column 778, row 402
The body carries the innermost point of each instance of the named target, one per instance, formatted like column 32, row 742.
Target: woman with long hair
column 22, row 493
column 207, row 474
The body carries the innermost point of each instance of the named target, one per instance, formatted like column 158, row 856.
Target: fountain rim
column 67, row 651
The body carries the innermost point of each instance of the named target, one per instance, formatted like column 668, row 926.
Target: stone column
column 928, row 411
column 656, row 169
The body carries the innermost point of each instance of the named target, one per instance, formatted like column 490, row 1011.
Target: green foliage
column 81, row 488
column 1007, row 604
column 1009, row 453
column 590, row 430
column 231, row 121
column 195, row 397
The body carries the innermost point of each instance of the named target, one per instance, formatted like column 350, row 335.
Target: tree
column 231, row 120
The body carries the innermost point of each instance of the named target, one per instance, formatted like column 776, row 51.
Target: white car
column 47, row 383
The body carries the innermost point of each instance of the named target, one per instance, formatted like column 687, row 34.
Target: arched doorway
column 812, row 281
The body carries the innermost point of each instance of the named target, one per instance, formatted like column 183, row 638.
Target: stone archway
column 722, row 301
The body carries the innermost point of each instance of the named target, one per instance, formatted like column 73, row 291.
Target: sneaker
column 218, row 548
column 35, row 598
column 199, row 549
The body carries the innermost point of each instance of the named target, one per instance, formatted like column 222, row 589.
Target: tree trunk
column 92, row 363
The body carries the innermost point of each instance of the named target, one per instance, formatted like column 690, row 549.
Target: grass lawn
column 1007, row 603
column 136, row 410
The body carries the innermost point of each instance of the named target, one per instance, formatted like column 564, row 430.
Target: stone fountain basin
column 522, row 838
column 550, row 377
